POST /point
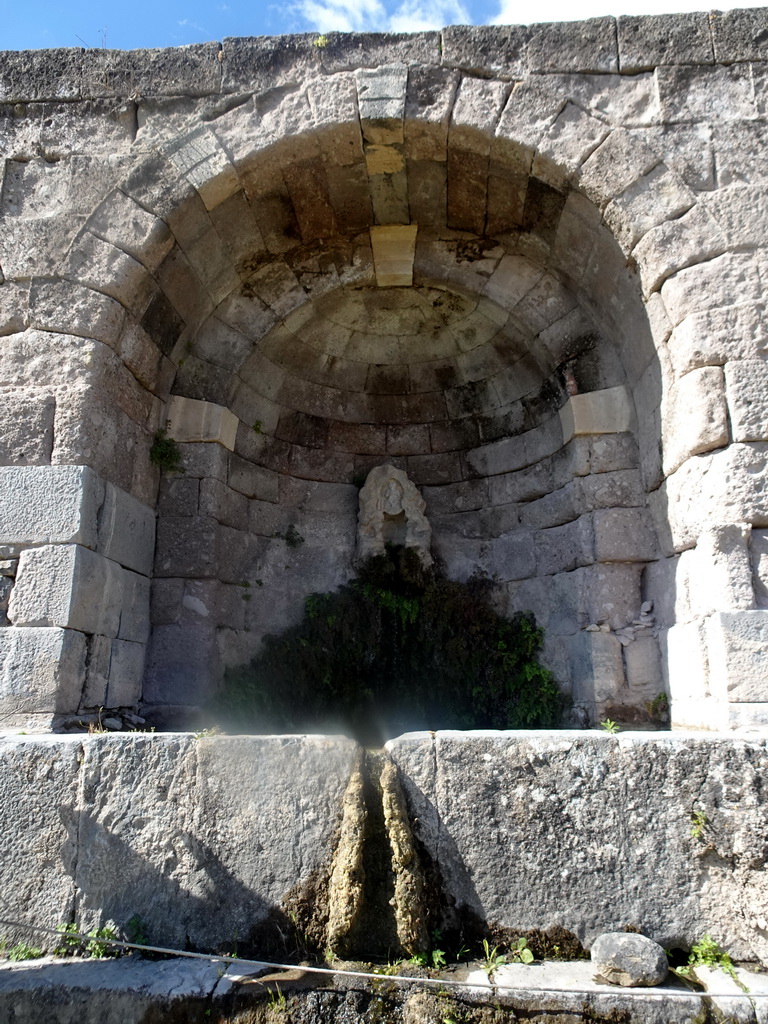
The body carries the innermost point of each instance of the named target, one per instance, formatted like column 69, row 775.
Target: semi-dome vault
column 504, row 267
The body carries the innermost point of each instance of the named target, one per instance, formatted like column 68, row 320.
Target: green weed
column 165, row 453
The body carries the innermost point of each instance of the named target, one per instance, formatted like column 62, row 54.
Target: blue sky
column 140, row 23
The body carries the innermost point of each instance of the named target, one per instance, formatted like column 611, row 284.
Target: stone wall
column 525, row 265
column 261, row 843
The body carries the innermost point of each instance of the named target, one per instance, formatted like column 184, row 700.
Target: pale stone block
column 199, row 156
column 730, row 486
column 192, row 420
column 597, row 668
column 134, row 615
column 126, row 530
column 642, row 662
column 124, row 223
column 684, row 648
column 746, row 385
column 381, row 102
column 514, row 277
column 624, row 535
column 719, row 571
column 49, row 505
column 67, row 585
column 126, row 673
column 728, row 280
column 597, row 412
column 759, row 562
column 96, row 672
column 700, row 713
column 394, row 250
column 737, row 643
column 694, row 416
column 41, row 670
column 715, row 336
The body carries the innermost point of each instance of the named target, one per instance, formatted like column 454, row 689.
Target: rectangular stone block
column 394, row 249
column 192, row 420
column 126, row 674
column 727, row 280
column 736, row 644
column 694, row 416
column 624, row 535
column 685, row 659
column 98, row 657
column 574, row 46
column 187, row 546
column 746, row 386
column 565, row 547
column 26, row 438
column 39, row 826
column 134, row 613
column 645, row 42
column 70, row 586
column 251, row 480
column 642, row 666
column 49, row 505
column 597, row 670
column 41, row 672
column 126, row 530
column 716, row 336
column 596, row 412
column 706, row 93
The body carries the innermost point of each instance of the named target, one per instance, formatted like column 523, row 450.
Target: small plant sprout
column 699, row 822
column 492, row 958
column 522, row 952
column 707, row 953
column 321, row 42
column 608, row 725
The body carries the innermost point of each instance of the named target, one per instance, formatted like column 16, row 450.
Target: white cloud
column 419, row 17
column 186, row 23
column 513, row 12
column 373, row 16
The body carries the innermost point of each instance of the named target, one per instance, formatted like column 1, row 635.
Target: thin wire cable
column 371, row 976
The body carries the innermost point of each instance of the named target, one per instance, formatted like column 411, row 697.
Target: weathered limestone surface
column 524, row 266
column 204, row 839
column 532, row 830
column 214, row 840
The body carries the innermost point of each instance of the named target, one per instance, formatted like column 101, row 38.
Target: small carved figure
column 392, row 512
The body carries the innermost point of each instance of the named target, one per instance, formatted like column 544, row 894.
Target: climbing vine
column 398, row 648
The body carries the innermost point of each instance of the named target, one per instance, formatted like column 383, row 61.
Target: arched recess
column 499, row 369
column 515, row 377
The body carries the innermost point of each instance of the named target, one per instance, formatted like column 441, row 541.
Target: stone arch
column 265, row 211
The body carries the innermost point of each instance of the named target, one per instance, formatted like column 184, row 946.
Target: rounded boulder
column 628, row 959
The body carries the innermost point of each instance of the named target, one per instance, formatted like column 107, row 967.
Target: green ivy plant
column 399, row 648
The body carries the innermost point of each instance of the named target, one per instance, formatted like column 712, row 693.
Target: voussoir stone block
column 49, row 505
column 67, row 585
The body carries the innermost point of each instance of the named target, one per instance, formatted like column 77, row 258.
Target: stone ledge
column 243, row 64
